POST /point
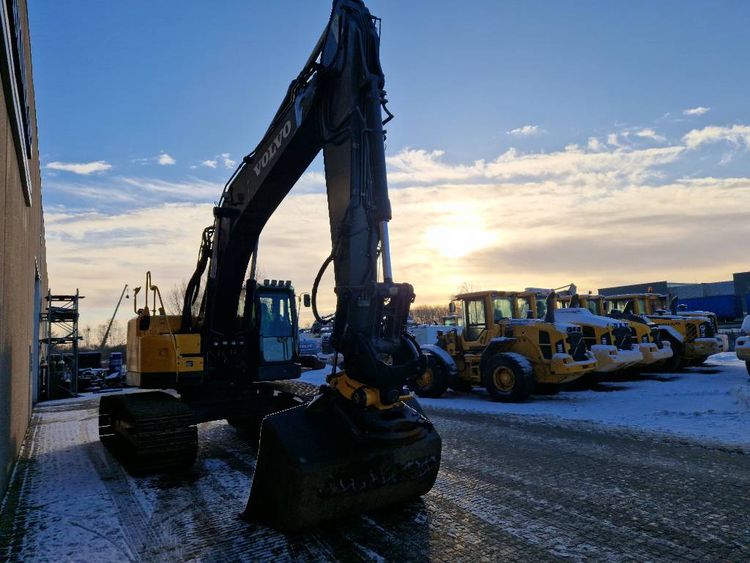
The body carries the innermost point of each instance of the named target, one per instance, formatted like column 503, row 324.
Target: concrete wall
column 22, row 259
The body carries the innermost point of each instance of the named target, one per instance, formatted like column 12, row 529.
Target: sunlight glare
column 458, row 240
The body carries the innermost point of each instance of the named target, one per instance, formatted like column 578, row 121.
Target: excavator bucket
column 314, row 465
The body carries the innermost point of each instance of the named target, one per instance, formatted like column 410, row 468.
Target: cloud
column 597, row 215
column 700, row 110
column 526, row 131
column 135, row 190
column 224, row 159
column 419, row 166
column 228, row 162
column 594, row 144
column 737, row 135
column 650, row 134
column 82, row 168
column 165, row 159
column 612, row 139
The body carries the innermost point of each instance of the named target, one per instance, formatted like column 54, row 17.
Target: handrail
column 162, row 311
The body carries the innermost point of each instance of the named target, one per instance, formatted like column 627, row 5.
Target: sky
column 536, row 143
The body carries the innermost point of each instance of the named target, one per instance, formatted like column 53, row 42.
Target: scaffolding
column 59, row 374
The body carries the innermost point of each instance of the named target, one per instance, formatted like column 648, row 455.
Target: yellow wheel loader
column 358, row 443
column 742, row 343
column 644, row 333
column 692, row 339
column 609, row 340
column 511, row 358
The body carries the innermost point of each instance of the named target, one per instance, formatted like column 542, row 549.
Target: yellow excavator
column 358, row 443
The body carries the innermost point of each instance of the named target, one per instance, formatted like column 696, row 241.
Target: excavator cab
column 271, row 318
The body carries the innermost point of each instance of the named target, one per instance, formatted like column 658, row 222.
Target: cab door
column 475, row 321
column 276, row 319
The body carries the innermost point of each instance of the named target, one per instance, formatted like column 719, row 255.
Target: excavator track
column 148, row 432
column 272, row 397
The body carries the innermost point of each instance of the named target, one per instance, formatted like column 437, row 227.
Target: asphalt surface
column 510, row 488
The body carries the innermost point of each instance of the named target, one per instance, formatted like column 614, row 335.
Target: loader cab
column 637, row 303
column 485, row 313
column 272, row 326
column 533, row 303
column 524, row 307
column 593, row 303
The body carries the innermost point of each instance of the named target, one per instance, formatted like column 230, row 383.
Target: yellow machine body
column 158, row 355
column 544, row 344
column 651, row 351
column 698, row 338
column 599, row 336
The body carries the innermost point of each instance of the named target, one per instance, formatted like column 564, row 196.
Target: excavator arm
column 360, row 443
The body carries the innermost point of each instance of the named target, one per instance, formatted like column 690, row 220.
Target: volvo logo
column 275, row 146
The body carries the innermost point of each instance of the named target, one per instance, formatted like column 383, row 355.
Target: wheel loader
column 358, row 443
column 609, row 340
column 692, row 338
column 510, row 357
column 645, row 334
column 742, row 343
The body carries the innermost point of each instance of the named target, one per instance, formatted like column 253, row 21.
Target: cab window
column 276, row 327
column 524, row 308
column 476, row 321
column 591, row 306
column 640, row 304
column 541, row 308
column 502, row 308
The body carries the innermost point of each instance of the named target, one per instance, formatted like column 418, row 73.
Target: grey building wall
column 741, row 282
column 655, row 287
column 23, row 269
column 693, row 290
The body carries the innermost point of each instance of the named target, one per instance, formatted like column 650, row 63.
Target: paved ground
column 510, row 488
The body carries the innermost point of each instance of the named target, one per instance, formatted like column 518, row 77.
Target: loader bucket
column 314, row 466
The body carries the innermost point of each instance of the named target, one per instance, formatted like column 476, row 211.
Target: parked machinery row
column 515, row 343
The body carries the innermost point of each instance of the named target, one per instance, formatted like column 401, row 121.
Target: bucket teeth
column 311, row 468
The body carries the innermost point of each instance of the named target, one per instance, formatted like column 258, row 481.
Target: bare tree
column 466, row 287
column 174, row 298
column 429, row 314
column 116, row 335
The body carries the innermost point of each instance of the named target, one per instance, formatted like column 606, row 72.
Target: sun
column 459, row 240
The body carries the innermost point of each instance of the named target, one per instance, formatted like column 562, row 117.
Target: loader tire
column 676, row 362
column 434, row 381
column 508, row 377
column 697, row 362
column 747, row 366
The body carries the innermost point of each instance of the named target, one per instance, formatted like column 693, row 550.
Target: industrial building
column 23, row 273
column 730, row 299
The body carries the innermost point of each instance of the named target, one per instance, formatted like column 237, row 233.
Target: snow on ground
column 710, row 403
